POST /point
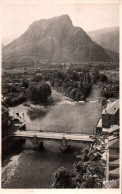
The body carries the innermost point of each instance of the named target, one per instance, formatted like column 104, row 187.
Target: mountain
column 108, row 38
column 58, row 40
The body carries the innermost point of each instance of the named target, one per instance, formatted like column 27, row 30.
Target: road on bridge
column 52, row 135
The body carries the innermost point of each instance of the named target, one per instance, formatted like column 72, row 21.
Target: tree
column 103, row 101
column 95, row 76
column 38, row 93
column 37, row 78
column 25, row 84
column 13, row 88
column 62, row 178
column 88, row 171
column 103, row 78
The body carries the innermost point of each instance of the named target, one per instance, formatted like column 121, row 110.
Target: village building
column 110, row 115
column 114, row 129
column 113, row 147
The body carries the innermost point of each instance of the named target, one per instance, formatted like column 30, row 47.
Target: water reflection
column 65, row 115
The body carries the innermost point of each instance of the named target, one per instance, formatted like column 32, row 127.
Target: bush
column 15, row 100
column 103, row 101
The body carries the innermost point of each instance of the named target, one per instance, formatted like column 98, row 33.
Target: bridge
column 38, row 137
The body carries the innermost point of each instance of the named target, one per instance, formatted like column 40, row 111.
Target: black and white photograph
column 60, row 94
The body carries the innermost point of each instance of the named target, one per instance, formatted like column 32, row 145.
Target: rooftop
column 114, row 172
column 114, row 163
column 113, row 128
column 114, row 143
column 99, row 123
column 105, row 130
column 111, row 137
column 111, row 108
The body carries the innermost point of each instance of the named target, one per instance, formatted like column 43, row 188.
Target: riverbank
column 64, row 115
column 10, row 145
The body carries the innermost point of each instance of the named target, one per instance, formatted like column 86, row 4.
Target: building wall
column 108, row 119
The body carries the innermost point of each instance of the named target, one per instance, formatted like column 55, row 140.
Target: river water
column 33, row 168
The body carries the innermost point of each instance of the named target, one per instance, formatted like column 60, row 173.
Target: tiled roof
column 99, row 123
column 114, row 172
column 115, row 162
column 111, row 137
column 105, row 130
column 112, row 108
column 113, row 128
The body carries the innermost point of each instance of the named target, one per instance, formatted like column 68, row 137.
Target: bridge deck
column 52, row 135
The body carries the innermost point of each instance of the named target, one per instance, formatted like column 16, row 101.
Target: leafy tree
column 88, row 171
column 25, row 84
column 13, row 88
column 37, row 78
column 103, row 101
column 95, row 76
column 72, row 83
column 38, row 93
column 103, row 78
column 62, row 178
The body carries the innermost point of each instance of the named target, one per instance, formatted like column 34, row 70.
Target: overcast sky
column 18, row 15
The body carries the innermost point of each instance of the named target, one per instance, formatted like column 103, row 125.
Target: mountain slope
column 108, row 38
column 58, row 40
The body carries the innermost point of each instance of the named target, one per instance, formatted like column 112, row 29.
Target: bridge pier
column 41, row 146
column 38, row 143
column 35, row 140
column 64, row 145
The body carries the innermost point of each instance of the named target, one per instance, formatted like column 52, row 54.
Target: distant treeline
column 36, row 91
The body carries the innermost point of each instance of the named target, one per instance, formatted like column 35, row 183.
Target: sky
column 17, row 15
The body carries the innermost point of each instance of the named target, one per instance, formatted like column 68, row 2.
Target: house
column 114, row 164
column 110, row 115
column 113, row 147
column 38, row 69
column 110, row 125
column 114, row 174
column 114, row 129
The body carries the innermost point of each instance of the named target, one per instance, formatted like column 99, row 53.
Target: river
column 33, row 168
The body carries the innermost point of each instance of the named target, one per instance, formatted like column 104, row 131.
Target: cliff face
column 58, row 40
